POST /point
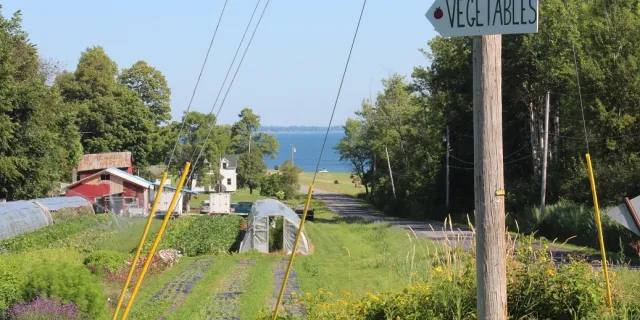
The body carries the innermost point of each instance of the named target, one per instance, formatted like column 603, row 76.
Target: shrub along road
column 454, row 235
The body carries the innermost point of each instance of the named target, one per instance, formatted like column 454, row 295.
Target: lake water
column 308, row 147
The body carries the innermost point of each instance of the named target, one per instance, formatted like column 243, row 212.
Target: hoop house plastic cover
column 55, row 204
column 22, row 216
column 257, row 235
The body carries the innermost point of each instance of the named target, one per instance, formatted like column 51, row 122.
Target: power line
column 315, row 174
column 467, row 162
column 197, row 83
column 344, row 73
column 231, row 84
column 195, row 150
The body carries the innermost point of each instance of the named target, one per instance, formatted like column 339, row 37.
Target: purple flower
column 42, row 308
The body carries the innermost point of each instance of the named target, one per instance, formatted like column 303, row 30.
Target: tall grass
column 443, row 286
column 576, row 223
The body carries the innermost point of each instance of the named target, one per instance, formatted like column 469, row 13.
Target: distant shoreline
column 299, row 129
column 266, row 131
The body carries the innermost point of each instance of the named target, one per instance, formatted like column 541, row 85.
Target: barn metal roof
column 99, row 161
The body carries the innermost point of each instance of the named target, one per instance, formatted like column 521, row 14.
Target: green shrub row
column 200, row 235
column 47, row 237
column 52, row 273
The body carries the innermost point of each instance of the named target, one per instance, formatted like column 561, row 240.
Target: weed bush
column 48, row 236
column 105, row 261
column 16, row 268
column 200, row 235
column 566, row 220
column 45, row 309
column 67, row 213
column 538, row 288
column 70, row 283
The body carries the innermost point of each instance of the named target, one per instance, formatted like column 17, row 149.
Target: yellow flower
column 438, row 269
column 346, row 293
column 329, row 294
column 293, row 294
column 551, row 272
column 449, row 278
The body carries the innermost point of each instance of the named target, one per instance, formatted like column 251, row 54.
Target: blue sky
column 291, row 73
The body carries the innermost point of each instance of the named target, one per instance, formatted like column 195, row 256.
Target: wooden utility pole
column 545, row 155
column 447, row 161
column 489, row 178
column 393, row 187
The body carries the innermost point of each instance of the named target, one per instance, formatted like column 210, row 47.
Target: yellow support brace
column 156, row 241
column 599, row 225
column 293, row 253
column 142, row 239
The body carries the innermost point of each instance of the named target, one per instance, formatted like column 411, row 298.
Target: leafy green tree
column 152, row 88
column 39, row 143
column 194, row 142
column 271, row 185
column 354, row 148
column 250, row 170
column 243, row 131
column 290, row 179
column 110, row 116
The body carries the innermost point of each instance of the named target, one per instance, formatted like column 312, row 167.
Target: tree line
column 586, row 55
column 50, row 117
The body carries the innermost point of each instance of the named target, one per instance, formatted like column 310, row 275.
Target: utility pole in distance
column 446, row 139
column 293, row 150
column 543, row 192
column 393, row 187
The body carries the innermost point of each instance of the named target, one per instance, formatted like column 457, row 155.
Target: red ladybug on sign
column 438, row 13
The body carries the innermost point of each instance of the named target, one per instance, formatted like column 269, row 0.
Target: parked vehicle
column 205, row 208
column 233, row 206
column 299, row 209
column 243, row 208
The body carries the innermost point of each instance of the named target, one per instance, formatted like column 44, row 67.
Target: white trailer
column 220, row 203
column 165, row 201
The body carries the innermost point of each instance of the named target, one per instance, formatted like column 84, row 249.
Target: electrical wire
column 575, row 61
column 230, row 85
column 463, row 161
column 195, row 150
column 193, row 94
column 344, row 73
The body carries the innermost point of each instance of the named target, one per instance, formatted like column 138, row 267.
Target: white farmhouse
column 228, row 179
column 228, row 166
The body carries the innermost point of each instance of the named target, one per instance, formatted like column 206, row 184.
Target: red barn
column 93, row 163
column 113, row 190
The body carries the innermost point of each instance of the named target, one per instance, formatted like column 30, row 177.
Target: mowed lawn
column 326, row 181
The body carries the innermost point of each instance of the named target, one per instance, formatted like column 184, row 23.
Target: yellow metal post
column 156, row 241
column 599, row 225
column 142, row 239
column 293, row 253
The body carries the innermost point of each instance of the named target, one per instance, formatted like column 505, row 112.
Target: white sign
column 460, row 18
